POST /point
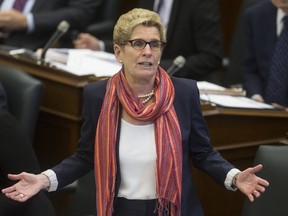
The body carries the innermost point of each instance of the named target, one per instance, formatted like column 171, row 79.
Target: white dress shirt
column 165, row 10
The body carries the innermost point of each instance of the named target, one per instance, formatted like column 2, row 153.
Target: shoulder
column 261, row 8
column 184, row 85
column 95, row 89
column 186, row 91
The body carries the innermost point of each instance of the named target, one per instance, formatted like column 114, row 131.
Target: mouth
column 146, row 64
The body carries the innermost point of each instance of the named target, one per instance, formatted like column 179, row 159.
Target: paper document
column 211, row 88
column 84, row 62
column 203, row 85
column 57, row 55
column 234, row 101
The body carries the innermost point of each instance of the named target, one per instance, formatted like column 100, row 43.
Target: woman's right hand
column 27, row 186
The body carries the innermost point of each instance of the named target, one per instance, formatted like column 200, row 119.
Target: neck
column 142, row 89
column 141, row 86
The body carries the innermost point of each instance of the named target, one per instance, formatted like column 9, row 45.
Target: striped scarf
column 168, row 168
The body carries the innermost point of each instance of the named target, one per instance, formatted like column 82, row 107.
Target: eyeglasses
column 139, row 44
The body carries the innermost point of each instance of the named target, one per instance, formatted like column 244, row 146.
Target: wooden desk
column 59, row 121
column 235, row 133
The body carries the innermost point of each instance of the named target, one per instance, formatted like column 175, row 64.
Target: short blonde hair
column 138, row 16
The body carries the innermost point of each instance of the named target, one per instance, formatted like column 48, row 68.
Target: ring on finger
column 21, row 195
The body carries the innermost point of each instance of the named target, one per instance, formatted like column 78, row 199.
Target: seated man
column 31, row 25
column 17, row 154
column 193, row 31
column 265, row 65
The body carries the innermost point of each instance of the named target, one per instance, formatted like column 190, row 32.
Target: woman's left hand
column 250, row 184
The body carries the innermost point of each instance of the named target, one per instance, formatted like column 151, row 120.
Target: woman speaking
column 141, row 128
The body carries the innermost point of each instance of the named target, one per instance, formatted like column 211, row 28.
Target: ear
column 117, row 52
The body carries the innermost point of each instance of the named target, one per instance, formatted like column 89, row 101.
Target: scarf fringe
column 162, row 207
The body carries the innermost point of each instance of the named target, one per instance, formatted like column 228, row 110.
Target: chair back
column 274, row 159
column 24, row 95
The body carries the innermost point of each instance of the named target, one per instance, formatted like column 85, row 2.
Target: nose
column 147, row 49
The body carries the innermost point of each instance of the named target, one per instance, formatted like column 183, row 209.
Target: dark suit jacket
column 47, row 16
column 260, row 23
column 194, row 32
column 17, row 155
column 195, row 142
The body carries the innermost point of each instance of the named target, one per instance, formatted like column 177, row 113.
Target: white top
column 279, row 21
column 137, row 153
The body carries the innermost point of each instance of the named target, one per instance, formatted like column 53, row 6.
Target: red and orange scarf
column 168, row 142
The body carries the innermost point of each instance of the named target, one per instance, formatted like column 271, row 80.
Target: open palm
column 27, row 186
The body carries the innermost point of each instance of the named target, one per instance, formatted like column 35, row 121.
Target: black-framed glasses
column 140, row 44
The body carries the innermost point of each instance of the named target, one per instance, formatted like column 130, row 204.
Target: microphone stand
column 61, row 30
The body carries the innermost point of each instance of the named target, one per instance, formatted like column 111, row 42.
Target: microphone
column 178, row 63
column 62, row 28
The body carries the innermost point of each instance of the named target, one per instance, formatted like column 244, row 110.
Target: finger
column 24, row 199
column 81, row 36
column 8, row 190
column 13, row 195
column 14, row 176
column 20, row 197
column 257, row 168
column 263, row 182
column 260, row 188
column 256, row 193
column 251, row 197
column 81, row 46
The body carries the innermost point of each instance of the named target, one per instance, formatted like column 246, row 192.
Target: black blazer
column 47, row 16
column 194, row 31
column 195, row 142
column 261, row 37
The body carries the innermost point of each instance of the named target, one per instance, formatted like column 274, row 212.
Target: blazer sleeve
column 48, row 14
column 82, row 161
column 195, row 132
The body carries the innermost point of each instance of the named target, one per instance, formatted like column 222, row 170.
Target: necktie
column 19, row 5
column 277, row 86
